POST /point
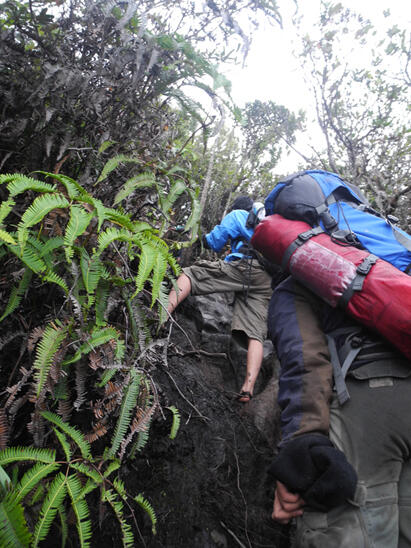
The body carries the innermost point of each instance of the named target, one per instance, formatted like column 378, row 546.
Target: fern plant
column 60, row 482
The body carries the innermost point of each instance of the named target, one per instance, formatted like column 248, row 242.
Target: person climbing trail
column 240, row 272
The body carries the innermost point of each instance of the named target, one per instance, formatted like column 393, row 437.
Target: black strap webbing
column 358, row 281
column 299, row 241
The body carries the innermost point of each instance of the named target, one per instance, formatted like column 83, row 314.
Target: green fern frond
column 194, row 220
column 121, row 219
column 7, row 177
column 113, row 163
column 5, row 209
column 91, row 270
column 54, row 278
column 29, row 256
column 50, row 245
column 102, row 294
column 160, row 267
column 19, row 454
column 119, row 486
column 112, row 467
column 87, row 471
column 111, row 235
column 40, row 207
column 70, row 431
column 175, row 191
column 145, row 266
column 32, row 478
column 105, row 145
column 23, row 183
column 79, row 221
column 17, row 293
column 143, row 180
column 176, row 421
column 81, row 510
column 64, row 443
column 146, row 506
column 14, row 532
column 97, row 338
column 140, row 443
column 162, row 299
column 63, row 526
column 54, row 499
column 117, row 506
column 6, row 237
column 74, row 189
column 45, row 352
column 128, row 405
column 107, row 375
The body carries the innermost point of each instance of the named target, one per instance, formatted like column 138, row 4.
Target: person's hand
column 286, row 505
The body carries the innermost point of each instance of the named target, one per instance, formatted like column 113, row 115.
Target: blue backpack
column 340, row 208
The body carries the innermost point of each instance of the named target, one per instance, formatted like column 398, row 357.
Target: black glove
column 312, row 467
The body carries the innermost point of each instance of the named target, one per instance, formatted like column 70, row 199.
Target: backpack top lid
column 242, row 202
column 309, row 188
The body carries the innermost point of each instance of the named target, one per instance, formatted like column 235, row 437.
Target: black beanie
column 242, row 202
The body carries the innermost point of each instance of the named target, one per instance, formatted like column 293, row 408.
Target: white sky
column 271, row 72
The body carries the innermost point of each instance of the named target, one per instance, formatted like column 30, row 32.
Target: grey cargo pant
column 374, row 430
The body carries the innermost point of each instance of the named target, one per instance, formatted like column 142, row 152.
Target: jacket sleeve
column 305, row 385
column 231, row 227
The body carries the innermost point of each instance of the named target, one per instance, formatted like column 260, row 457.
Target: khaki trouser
column 250, row 283
column 374, row 430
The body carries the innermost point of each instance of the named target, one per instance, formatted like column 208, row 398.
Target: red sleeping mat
column 383, row 303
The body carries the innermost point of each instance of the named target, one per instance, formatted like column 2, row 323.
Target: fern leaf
column 87, row 471
column 140, row 443
column 146, row 506
column 194, row 219
column 144, row 180
column 176, row 421
column 40, row 207
column 70, row 431
column 81, row 510
column 79, row 221
column 111, row 235
column 19, row 454
column 117, row 506
column 5, row 209
column 97, row 338
column 29, row 256
column 175, row 191
column 120, row 219
column 32, row 478
column 14, row 532
column 53, row 501
column 7, row 177
column 112, row 467
column 102, row 294
column 54, row 278
column 64, row 443
column 23, row 183
column 162, row 299
column 74, row 189
column 105, row 145
column 50, row 245
column 113, row 163
column 63, row 526
column 46, row 350
column 160, row 267
column 6, row 237
column 128, row 405
column 91, row 270
column 17, row 294
column 146, row 265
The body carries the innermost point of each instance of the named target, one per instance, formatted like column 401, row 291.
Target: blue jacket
column 232, row 228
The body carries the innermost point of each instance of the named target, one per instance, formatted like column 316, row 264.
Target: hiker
column 343, row 469
column 239, row 272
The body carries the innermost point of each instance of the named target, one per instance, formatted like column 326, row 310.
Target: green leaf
column 18, row 454
column 146, row 506
column 5, row 209
column 17, row 294
column 53, row 501
column 113, row 163
column 14, row 532
column 23, row 183
column 175, row 191
column 79, row 221
column 144, row 180
column 45, row 352
column 70, row 431
column 40, row 207
column 81, row 510
column 176, row 421
column 32, row 478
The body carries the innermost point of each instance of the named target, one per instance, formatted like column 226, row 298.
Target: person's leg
column 254, row 360
column 184, row 289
